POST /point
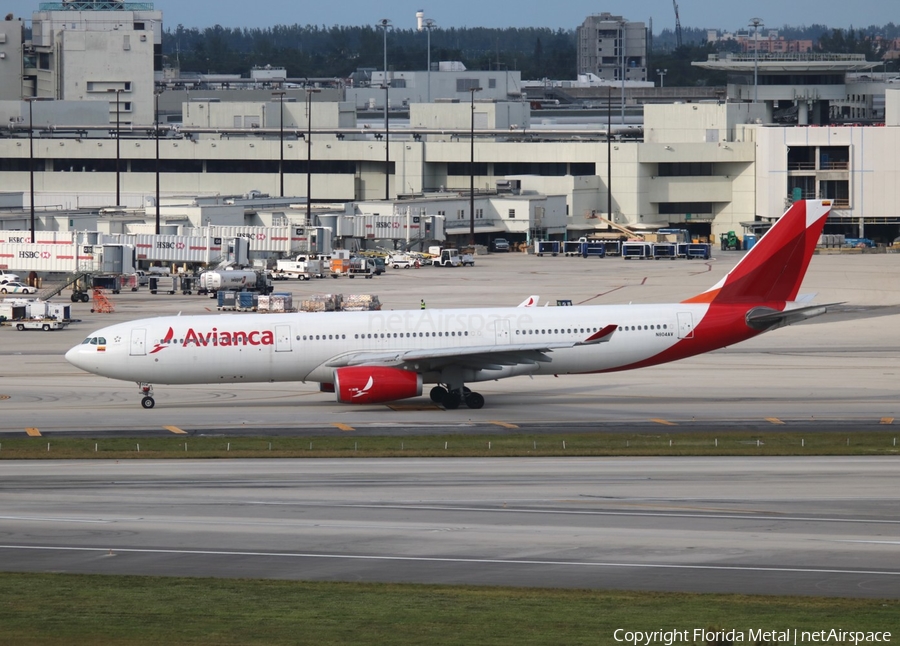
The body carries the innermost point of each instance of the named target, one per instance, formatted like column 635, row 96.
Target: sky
column 565, row 14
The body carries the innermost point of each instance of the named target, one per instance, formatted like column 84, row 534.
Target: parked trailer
column 542, row 247
column 595, row 249
column 612, row 247
column 698, row 251
column 636, row 250
column 665, row 250
column 572, row 247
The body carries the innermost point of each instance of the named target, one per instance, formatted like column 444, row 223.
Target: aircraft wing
column 484, row 357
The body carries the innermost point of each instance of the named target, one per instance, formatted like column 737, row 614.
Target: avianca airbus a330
column 371, row 357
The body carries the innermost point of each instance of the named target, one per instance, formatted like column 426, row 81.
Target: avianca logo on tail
column 216, row 338
column 361, row 392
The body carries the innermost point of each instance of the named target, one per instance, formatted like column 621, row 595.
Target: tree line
column 315, row 51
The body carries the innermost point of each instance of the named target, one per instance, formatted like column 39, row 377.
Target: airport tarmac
column 797, row 526
column 840, row 369
column 819, row 526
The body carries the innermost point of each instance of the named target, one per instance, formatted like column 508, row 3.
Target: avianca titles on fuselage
column 370, row 357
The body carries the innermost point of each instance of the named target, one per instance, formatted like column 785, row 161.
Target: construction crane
column 677, row 25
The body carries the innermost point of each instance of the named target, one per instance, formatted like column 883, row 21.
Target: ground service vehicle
column 301, row 267
column 41, row 324
column 211, row 282
column 452, row 258
column 374, row 357
column 400, row 261
column 729, row 241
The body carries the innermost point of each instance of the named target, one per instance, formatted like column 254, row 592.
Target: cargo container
column 636, row 250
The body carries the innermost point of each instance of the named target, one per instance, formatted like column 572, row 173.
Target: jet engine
column 373, row 384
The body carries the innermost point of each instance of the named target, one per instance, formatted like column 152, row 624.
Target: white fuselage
column 299, row 346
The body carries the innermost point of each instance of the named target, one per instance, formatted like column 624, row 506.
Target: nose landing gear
column 147, row 400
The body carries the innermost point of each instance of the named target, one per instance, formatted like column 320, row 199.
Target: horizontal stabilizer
column 766, row 318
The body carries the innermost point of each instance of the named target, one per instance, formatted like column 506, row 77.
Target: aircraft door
column 501, row 332
column 138, row 342
column 685, row 325
column 282, row 338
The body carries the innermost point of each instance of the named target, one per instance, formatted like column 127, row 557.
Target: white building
column 612, row 48
column 94, row 50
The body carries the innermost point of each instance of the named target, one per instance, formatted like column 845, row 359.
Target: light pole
column 385, row 24
column 156, row 94
column 280, row 96
column 117, row 91
column 622, row 98
column 309, row 92
column 31, row 163
column 473, row 90
column 662, row 77
column 427, row 25
column 32, row 99
column 755, row 23
column 609, row 153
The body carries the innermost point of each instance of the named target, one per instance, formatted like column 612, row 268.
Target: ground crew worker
column 422, row 304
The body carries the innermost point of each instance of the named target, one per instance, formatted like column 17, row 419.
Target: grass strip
column 95, row 609
column 731, row 443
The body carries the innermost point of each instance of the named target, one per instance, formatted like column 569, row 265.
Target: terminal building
column 709, row 166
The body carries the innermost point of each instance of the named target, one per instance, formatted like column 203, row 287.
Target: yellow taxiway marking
column 175, row 429
column 33, row 432
column 664, row 422
column 774, row 420
column 887, row 420
column 504, row 424
column 343, row 427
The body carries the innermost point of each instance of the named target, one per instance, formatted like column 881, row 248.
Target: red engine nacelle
column 374, row 385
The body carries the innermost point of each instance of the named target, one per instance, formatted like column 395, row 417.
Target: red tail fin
column 774, row 268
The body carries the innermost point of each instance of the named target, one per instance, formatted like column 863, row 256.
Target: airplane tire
column 438, row 394
column 147, row 402
column 452, row 400
column 474, row 400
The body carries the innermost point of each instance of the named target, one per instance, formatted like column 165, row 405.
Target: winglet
column 774, row 268
column 601, row 336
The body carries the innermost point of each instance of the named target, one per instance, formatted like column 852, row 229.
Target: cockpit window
column 87, row 341
column 94, row 340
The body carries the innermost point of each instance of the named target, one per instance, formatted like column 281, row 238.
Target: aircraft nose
column 75, row 357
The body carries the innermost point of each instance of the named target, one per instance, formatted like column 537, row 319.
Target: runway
column 812, row 526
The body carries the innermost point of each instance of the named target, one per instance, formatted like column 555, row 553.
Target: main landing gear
column 451, row 398
column 147, row 400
